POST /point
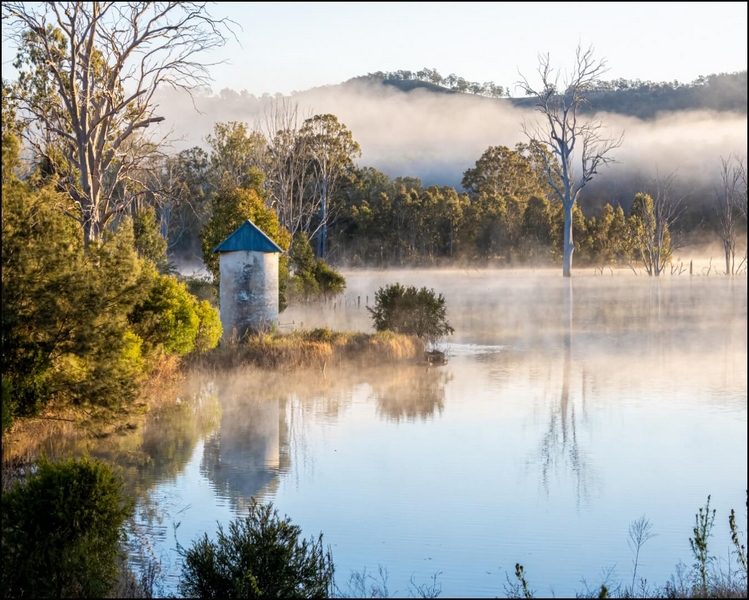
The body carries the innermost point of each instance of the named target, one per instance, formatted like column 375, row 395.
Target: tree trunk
column 727, row 249
column 569, row 246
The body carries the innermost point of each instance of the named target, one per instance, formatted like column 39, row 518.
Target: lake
column 568, row 409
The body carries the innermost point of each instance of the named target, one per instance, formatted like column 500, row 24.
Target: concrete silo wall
column 248, row 292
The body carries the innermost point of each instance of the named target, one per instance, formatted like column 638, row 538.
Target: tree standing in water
column 563, row 131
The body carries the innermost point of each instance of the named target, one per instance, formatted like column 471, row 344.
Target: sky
column 282, row 47
column 295, row 46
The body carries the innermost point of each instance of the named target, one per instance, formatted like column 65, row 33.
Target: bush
column 62, row 529
column 171, row 319
column 411, row 311
column 313, row 278
column 209, row 327
column 260, row 555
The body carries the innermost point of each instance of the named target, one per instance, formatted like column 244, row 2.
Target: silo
column 248, row 290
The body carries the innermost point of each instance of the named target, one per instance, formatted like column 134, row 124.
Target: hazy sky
column 295, row 46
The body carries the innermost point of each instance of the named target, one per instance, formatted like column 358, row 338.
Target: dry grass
column 312, row 348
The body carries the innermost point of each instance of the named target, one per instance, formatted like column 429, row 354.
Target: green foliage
column 501, row 172
column 313, row 278
column 62, row 529
column 261, row 555
column 411, row 311
column 237, row 155
column 330, row 281
column 149, row 243
column 171, row 320
column 64, row 313
column 209, row 326
column 202, row 287
column 301, row 255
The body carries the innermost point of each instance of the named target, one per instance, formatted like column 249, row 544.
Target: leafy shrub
column 61, row 531
column 171, row 319
column 313, row 278
column 330, row 281
column 209, row 327
column 411, row 311
column 167, row 317
column 260, row 555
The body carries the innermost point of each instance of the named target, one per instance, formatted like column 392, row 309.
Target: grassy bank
column 312, row 348
column 30, row 436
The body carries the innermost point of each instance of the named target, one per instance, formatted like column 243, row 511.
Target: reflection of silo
column 244, row 460
column 249, row 436
column 248, row 291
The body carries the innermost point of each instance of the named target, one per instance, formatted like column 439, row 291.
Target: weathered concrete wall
column 249, row 291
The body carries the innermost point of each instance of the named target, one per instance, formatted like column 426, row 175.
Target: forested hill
column 643, row 99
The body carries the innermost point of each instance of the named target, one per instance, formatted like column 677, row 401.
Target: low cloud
column 436, row 137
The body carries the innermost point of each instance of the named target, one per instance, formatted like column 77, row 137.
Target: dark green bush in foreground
column 261, row 555
column 61, row 531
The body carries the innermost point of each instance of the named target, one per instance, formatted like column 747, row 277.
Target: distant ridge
column 723, row 92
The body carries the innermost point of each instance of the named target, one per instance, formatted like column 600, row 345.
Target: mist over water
column 568, row 409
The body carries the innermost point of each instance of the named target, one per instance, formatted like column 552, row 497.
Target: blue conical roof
column 247, row 237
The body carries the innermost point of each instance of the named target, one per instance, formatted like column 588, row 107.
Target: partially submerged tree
column 651, row 222
column 87, row 75
column 730, row 203
column 567, row 135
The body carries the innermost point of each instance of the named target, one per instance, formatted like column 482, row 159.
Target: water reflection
column 411, row 393
column 244, row 457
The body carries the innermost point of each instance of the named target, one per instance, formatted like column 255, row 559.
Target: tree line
column 450, row 82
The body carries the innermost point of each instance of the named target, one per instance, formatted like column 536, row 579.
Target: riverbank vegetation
column 312, row 348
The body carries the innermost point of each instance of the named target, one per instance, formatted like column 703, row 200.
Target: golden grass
column 312, row 348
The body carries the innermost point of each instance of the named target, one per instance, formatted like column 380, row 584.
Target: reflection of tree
column 560, row 445
column 408, row 393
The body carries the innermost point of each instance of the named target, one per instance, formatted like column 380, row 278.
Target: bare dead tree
column 88, row 72
column 742, row 200
column 568, row 135
column 288, row 166
column 728, row 206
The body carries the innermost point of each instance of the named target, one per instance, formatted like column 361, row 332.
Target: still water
column 567, row 411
